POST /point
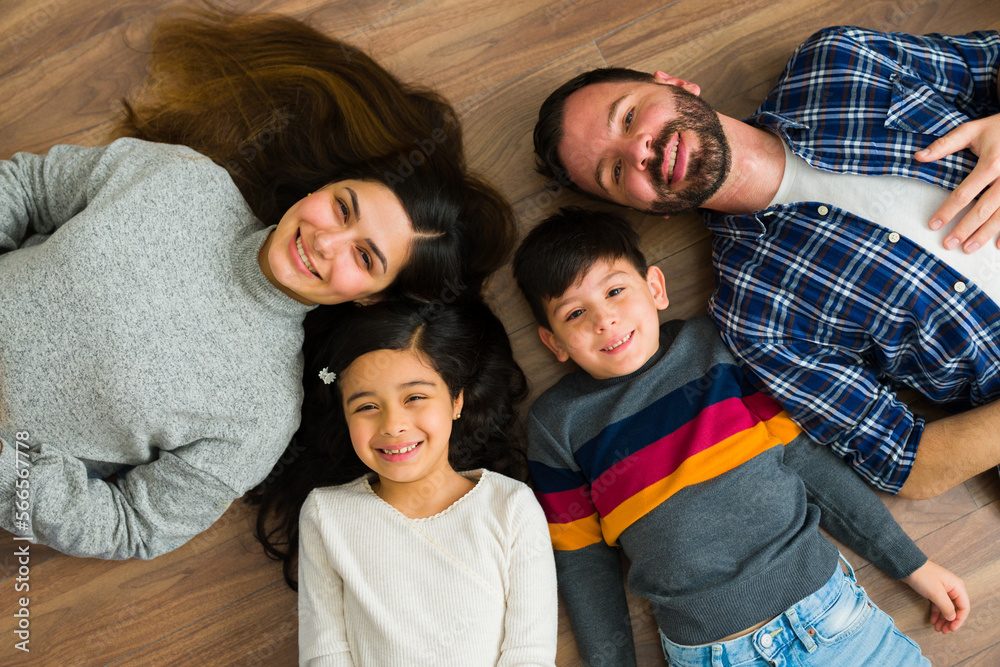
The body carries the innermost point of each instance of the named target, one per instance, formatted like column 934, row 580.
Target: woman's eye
column 366, row 258
column 628, row 119
column 575, row 314
column 616, row 291
column 617, row 174
column 344, row 211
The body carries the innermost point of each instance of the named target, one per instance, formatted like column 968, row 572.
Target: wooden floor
column 64, row 64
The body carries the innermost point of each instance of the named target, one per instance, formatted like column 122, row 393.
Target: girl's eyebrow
column 405, row 385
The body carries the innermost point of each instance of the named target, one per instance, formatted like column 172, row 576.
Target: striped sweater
column 684, row 465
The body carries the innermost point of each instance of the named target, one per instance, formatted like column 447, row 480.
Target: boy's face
column 607, row 321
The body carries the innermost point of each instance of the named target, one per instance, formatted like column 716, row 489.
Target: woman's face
column 344, row 242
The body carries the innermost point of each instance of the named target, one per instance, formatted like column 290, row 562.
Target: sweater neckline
column 468, row 474
column 252, row 278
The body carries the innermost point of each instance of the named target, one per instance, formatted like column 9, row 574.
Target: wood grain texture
column 218, row 601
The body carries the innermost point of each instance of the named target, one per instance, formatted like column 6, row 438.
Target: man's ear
column 663, row 77
column 657, row 287
column 550, row 341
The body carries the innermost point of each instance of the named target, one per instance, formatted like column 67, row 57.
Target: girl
column 413, row 563
column 154, row 298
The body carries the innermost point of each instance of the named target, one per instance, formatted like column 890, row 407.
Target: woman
column 153, row 295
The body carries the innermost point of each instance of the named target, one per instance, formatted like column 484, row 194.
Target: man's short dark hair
column 549, row 128
column 564, row 247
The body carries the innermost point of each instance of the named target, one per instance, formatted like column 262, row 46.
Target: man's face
column 652, row 146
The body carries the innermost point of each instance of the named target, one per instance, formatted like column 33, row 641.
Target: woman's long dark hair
column 467, row 346
column 286, row 110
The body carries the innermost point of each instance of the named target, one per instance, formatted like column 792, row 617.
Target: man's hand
column 982, row 222
column 946, row 591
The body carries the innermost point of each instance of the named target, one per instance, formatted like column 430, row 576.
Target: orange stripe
column 722, row 457
column 575, row 534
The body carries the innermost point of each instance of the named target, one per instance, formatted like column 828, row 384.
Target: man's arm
column 954, row 449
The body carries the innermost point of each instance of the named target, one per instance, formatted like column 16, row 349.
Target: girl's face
column 343, row 242
column 399, row 412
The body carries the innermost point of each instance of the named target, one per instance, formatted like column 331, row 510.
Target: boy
column 659, row 444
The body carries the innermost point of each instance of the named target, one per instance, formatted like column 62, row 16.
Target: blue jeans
column 837, row 626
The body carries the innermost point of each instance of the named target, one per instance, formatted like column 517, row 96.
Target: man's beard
column 706, row 169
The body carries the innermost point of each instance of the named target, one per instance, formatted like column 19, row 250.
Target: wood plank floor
column 64, row 64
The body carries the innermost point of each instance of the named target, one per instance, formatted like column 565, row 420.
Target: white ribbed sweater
column 473, row 585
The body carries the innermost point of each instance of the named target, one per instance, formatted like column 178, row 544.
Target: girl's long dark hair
column 286, row 109
column 469, row 349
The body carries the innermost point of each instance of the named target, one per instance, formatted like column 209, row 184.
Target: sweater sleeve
column 851, row 511
column 589, row 571
column 322, row 631
column 39, row 193
column 532, row 616
column 151, row 509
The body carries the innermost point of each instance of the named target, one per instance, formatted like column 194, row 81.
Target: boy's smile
column 607, row 321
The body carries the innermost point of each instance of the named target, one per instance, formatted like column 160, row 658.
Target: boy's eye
column 575, row 314
column 616, row 291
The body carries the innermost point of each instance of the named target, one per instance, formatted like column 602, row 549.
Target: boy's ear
column 663, row 77
column 551, row 342
column 657, row 287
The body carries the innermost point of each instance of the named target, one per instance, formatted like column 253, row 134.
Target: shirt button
column 960, row 286
column 822, row 210
column 893, row 237
column 766, row 640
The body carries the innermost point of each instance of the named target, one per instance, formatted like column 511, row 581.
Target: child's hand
column 946, row 591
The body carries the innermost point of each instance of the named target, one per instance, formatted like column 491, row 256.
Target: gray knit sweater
column 138, row 336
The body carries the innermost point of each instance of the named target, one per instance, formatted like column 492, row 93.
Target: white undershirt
column 900, row 204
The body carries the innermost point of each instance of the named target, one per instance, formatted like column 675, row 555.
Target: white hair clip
column 327, row 376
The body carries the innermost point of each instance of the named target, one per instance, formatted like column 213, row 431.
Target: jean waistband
column 788, row 627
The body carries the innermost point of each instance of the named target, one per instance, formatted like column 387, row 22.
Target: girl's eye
column 365, row 408
column 628, row 119
column 417, row 397
column 616, row 291
column 575, row 314
column 617, row 174
column 366, row 258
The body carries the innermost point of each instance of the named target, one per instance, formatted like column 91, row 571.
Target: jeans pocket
column 850, row 611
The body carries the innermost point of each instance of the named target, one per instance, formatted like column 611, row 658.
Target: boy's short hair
column 561, row 249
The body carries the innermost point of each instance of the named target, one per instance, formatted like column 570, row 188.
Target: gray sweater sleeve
column 590, row 579
column 152, row 509
column 850, row 510
column 38, row 193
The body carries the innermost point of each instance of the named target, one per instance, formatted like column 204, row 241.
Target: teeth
column 621, row 342
column 305, row 260
column 671, row 163
column 399, row 451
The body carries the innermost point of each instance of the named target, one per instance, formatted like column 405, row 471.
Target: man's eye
column 617, row 173
column 575, row 314
column 628, row 119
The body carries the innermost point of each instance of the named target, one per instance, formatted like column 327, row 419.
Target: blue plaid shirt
column 825, row 307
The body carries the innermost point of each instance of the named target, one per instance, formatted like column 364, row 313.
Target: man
column 820, row 205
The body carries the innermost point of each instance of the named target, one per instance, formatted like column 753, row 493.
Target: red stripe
column 658, row 460
column 566, row 506
column 762, row 404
